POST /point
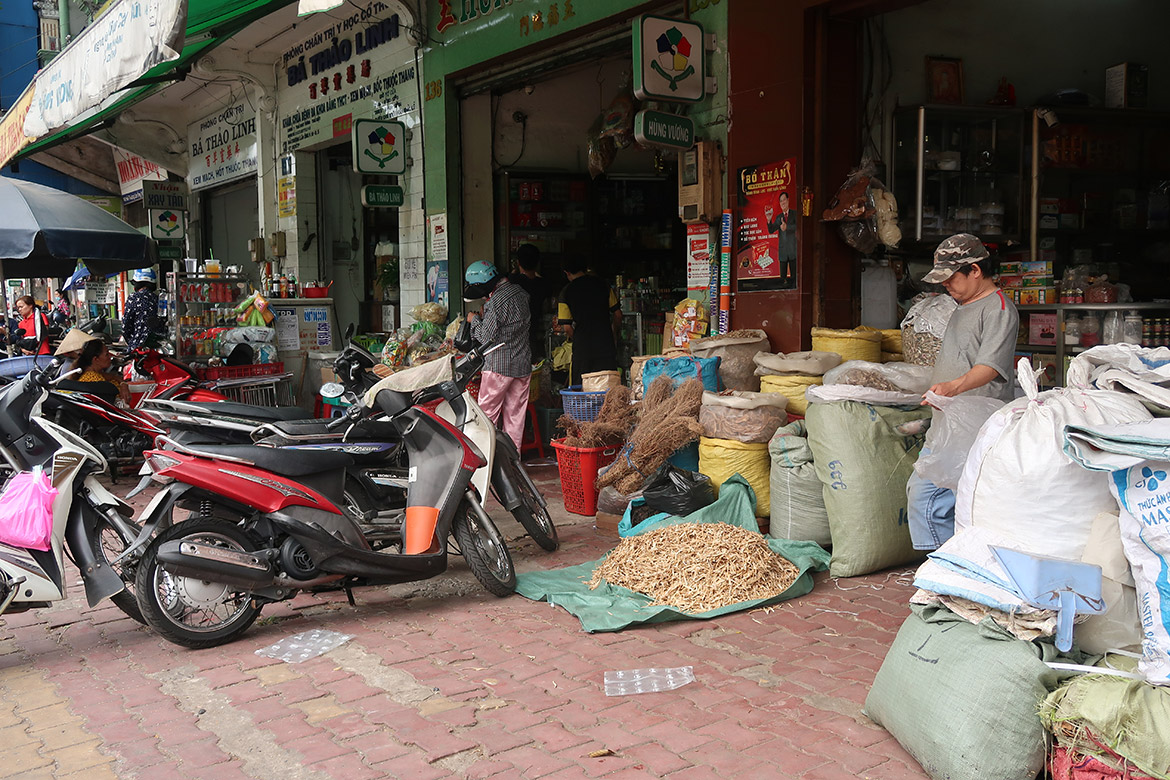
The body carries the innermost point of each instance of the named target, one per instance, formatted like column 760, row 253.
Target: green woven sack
column 863, row 464
column 962, row 698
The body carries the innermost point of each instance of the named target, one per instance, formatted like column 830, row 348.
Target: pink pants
column 505, row 397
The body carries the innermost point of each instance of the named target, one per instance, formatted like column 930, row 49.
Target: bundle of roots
column 609, row 429
column 668, row 422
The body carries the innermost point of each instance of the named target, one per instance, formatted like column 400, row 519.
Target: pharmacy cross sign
column 379, row 146
column 668, row 59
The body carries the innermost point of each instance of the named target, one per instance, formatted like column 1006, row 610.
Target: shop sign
column 127, row 40
column 165, row 195
column 382, row 196
column 438, row 286
column 15, row 282
column 286, row 196
column 222, row 147
column 169, row 251
column 670, row 131
column 132, row 171
column 101, row 291
column 669, row 59
column 766, row 242
column 12, row 137
column 699, row 258
column 168, row 224
column 107, row 203
column 379, row 147
column 360, row 66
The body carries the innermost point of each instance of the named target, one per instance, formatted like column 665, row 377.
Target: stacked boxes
column 1028, row 282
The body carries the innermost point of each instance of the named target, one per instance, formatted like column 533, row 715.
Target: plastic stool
column 536, row 442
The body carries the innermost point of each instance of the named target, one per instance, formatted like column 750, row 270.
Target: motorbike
column 376, row 482
column 268, row 522
column 92, row 526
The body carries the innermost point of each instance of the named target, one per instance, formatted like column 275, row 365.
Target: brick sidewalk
column 443, row 680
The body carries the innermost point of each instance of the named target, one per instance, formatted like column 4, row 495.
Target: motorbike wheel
column 357, row 501
column 108, row 543
column 187, row 611
column 486, row 552
column 530, row 512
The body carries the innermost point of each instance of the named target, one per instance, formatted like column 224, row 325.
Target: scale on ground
column 1069, row 587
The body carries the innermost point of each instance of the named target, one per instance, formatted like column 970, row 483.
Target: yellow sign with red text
column 12, row 137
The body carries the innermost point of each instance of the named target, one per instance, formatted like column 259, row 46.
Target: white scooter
column 96, row 527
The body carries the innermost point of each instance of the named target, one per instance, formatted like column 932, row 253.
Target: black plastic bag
column 678, row 491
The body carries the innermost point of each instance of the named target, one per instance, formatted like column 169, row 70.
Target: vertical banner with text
column 765, row 256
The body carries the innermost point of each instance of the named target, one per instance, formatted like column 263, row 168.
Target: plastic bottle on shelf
column 1113, row 331
column 283, row 286
column 292, row 286
column 1132, row 330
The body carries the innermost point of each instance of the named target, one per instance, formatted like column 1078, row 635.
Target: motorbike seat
column 287, row 462
column 253, row 412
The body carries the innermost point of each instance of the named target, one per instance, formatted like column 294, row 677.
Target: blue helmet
column 481, row 272
column 145, row 275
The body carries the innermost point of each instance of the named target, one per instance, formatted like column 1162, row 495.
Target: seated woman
column 92, row 356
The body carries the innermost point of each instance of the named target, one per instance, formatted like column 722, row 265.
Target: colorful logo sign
column 668, row 59
column 379, row 146
column 674, row 57
column 167, row 223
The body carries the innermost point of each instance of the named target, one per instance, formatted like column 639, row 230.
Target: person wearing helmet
column 975, row 358
column 503, row 388
column 141, row 324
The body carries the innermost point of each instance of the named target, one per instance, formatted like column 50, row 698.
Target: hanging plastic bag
column 618, row 123
column 678, row 491
column 600, row 149
column 950, row 438
column 26, row 511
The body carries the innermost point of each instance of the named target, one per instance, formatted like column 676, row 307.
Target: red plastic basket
column 579, row 467
column 206, row 373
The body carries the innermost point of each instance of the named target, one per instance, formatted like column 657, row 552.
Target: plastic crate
column 19, row 366
column 260, row 393
column 578, row 467
column 207, row 373
column 582, row 406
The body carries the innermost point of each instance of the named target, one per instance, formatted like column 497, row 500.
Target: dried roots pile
column 697, row 567
column 667, row 422
column 609, row 429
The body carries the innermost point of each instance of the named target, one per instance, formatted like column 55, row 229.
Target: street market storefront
column 536, row 103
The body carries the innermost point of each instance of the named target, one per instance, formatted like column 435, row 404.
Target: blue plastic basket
column 19, row 366
column 582, row 406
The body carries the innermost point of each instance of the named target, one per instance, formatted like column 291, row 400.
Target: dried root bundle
column 697, row 567
column 611, row 427
column 668, row 422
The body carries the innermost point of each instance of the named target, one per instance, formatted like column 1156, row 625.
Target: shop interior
column 563, row 180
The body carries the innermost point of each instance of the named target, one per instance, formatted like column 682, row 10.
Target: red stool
column 535, row 442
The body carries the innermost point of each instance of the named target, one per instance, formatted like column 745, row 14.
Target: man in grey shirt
column 975, row 359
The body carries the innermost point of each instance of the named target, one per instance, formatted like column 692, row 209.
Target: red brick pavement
column 464, row 685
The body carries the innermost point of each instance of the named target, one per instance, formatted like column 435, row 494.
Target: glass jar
column 1090, row 331
column 1072, row 331
column 1113, row 331
column 1132, row 330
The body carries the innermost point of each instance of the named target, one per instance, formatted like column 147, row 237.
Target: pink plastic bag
column 26, row 511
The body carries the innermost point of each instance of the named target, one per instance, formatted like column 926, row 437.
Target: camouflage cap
column 952, row 254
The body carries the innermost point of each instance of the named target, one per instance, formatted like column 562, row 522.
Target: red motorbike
column 267, row 522
column 172, row 379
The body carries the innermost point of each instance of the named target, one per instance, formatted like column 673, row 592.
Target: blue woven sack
column 680, row 369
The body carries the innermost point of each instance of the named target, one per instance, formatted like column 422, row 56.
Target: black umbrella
column 44, row 232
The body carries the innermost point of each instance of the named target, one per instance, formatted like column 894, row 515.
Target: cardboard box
column 1037, row 281
column 607, row 524
column 1033, row 295
column 1042, row 329
column 1036, row 268
column 1049, row 221
column 1013, row 268
column 1010, row 282
column 1050, row 205
column 1070, row 221
column 1127, row 85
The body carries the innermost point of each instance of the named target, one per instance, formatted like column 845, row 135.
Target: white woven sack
column 812, row 363
column 1019, row 483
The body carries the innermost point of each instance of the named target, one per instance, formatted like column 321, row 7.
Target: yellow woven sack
column 793, row 386
column 856, row 344
column 720, row 459
column 891, row 338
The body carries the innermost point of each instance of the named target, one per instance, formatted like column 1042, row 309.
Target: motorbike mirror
column 349, row 331
column 463, row 340
column 332, row 390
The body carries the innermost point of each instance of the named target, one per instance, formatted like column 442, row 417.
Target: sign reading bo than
column 379, row 146
column 669, row 59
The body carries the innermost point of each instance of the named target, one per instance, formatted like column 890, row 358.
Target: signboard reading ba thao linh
column 361, row 65
column 222, row 146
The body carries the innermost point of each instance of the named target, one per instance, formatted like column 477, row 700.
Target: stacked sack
column 736, row 352
column 792, row 374
column 923, row 327
column 797, row 496
column 737, row 426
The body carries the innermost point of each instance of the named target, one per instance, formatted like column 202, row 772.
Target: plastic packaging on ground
column 630, row 681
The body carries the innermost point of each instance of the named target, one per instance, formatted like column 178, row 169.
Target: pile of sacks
column 1074, row 473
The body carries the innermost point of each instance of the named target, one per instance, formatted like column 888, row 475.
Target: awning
column 209, row 23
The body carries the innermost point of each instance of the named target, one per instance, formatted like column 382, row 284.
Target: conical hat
column 74, row 340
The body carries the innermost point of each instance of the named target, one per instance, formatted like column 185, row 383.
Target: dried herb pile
column 667, row 421
column 697, row 567
column 609, row 429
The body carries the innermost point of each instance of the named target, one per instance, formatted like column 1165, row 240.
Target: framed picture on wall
column 944, row 80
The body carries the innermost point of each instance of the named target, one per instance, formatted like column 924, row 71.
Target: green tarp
column 612, row 608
